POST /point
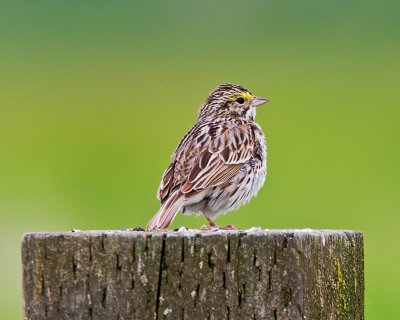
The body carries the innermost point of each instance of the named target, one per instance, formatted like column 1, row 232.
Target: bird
column 221, row 162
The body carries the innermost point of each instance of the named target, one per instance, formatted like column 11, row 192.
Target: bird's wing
column 180, row 164
column 167, row 183
column 224, row 155
column 209, row 155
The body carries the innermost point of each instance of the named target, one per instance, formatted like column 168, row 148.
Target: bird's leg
column 213, row 225
column 228, row 227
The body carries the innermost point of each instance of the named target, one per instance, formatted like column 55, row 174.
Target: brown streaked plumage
column 220, row 164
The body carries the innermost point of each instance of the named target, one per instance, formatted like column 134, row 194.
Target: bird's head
column 232, row 101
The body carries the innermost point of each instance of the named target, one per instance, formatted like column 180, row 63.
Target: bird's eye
column 240, row 100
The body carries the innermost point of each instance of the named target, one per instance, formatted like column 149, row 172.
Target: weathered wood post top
column 241, row 274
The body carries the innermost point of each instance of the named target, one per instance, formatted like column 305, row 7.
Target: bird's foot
column 228, row 227
column 214, row 226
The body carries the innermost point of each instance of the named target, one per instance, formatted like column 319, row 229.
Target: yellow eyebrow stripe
column 244, row 95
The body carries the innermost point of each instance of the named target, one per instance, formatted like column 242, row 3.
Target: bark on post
column 253, row 274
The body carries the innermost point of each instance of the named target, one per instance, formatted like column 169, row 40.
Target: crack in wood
column 162, row 258
column 228, row 251
column 183, row 250
column 103, row 239
column 104, row 298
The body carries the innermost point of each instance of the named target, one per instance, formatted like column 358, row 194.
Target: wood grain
column 253, row 274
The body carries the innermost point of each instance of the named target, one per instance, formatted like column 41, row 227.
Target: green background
column 95, row 96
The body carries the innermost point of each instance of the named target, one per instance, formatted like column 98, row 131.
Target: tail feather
column 169, row 209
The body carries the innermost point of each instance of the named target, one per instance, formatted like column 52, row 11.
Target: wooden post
column 253, row 274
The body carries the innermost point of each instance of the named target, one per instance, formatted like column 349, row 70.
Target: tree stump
column 253, row 274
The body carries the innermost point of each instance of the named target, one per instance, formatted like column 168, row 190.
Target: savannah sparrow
column 220, row 164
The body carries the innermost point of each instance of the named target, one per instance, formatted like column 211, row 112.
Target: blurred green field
column 94, row 97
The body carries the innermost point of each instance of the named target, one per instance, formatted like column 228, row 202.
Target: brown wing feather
column 183, row 161
column 166, row 183
column 225, row 156
column 203, row 160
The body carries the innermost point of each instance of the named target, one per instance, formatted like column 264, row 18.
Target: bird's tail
column 169, row 209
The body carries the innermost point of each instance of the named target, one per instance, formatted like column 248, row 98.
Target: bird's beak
column 258, row 101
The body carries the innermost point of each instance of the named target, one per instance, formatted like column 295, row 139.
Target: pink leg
column 213, row 225
column 228, row 227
